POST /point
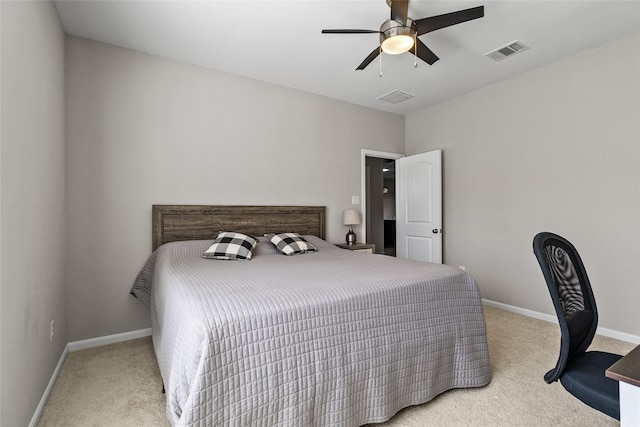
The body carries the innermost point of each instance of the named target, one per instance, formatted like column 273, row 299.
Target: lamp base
column 351, row 237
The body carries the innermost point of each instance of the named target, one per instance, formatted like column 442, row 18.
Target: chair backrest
column 572, row 297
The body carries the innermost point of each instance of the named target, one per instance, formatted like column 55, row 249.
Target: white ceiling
column 280, row 41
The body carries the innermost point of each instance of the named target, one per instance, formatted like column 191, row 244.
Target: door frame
column 364, row 153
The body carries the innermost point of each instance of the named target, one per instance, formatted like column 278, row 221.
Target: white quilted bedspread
column 332, row 338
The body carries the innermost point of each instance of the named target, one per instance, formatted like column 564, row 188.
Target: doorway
column 416, row 214
column 379, row 202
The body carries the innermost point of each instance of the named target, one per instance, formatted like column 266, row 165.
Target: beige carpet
column 120, row 385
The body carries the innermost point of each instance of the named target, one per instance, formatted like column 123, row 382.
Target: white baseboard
column 108, row 339
column 47, row 392
column 81, row 345
column 622, row 336
column 521, row 311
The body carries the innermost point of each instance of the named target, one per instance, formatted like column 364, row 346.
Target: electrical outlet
column 51, row 331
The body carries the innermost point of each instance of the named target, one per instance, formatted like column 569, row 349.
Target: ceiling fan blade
column 432, row 23
column 369, row 58
column 425, row 53
column 399, row 11
column 350, row 31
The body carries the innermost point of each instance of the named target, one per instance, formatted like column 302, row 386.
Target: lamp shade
column 351, row 217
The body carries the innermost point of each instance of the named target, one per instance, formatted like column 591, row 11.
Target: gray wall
column 32, row 205
column 143, row 130
column 556, row 149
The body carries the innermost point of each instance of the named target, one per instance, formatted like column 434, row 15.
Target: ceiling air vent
column 506, row 51
column 396, row 96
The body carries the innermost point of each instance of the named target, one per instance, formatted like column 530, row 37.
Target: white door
column 419, row 207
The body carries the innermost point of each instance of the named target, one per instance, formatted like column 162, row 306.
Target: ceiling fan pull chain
column 380, row 55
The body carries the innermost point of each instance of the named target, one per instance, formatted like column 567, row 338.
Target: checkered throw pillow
column 230, row 245
column 291, row 243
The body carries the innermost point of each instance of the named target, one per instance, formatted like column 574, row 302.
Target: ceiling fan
column 400, row 33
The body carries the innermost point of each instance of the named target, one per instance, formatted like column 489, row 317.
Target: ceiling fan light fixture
column 396, row 45
column 396, row 38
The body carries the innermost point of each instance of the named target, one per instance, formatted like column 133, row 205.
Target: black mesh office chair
column 580, row 372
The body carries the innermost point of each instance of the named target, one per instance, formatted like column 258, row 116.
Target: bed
column 331, row 337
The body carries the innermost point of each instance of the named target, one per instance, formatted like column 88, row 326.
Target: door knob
column 436, row 231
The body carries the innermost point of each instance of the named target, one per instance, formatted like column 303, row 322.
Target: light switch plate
column 355, row 200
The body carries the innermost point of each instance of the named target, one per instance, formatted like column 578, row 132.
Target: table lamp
column 351, row 217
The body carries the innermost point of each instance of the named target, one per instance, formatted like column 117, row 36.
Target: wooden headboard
column 202, row 222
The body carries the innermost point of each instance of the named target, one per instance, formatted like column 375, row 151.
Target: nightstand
column 366, row 248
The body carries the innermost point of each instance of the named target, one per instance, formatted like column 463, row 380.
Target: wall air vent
column 396, row 96
column 506, row 51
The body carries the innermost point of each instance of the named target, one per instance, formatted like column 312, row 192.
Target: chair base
column 584, row 378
